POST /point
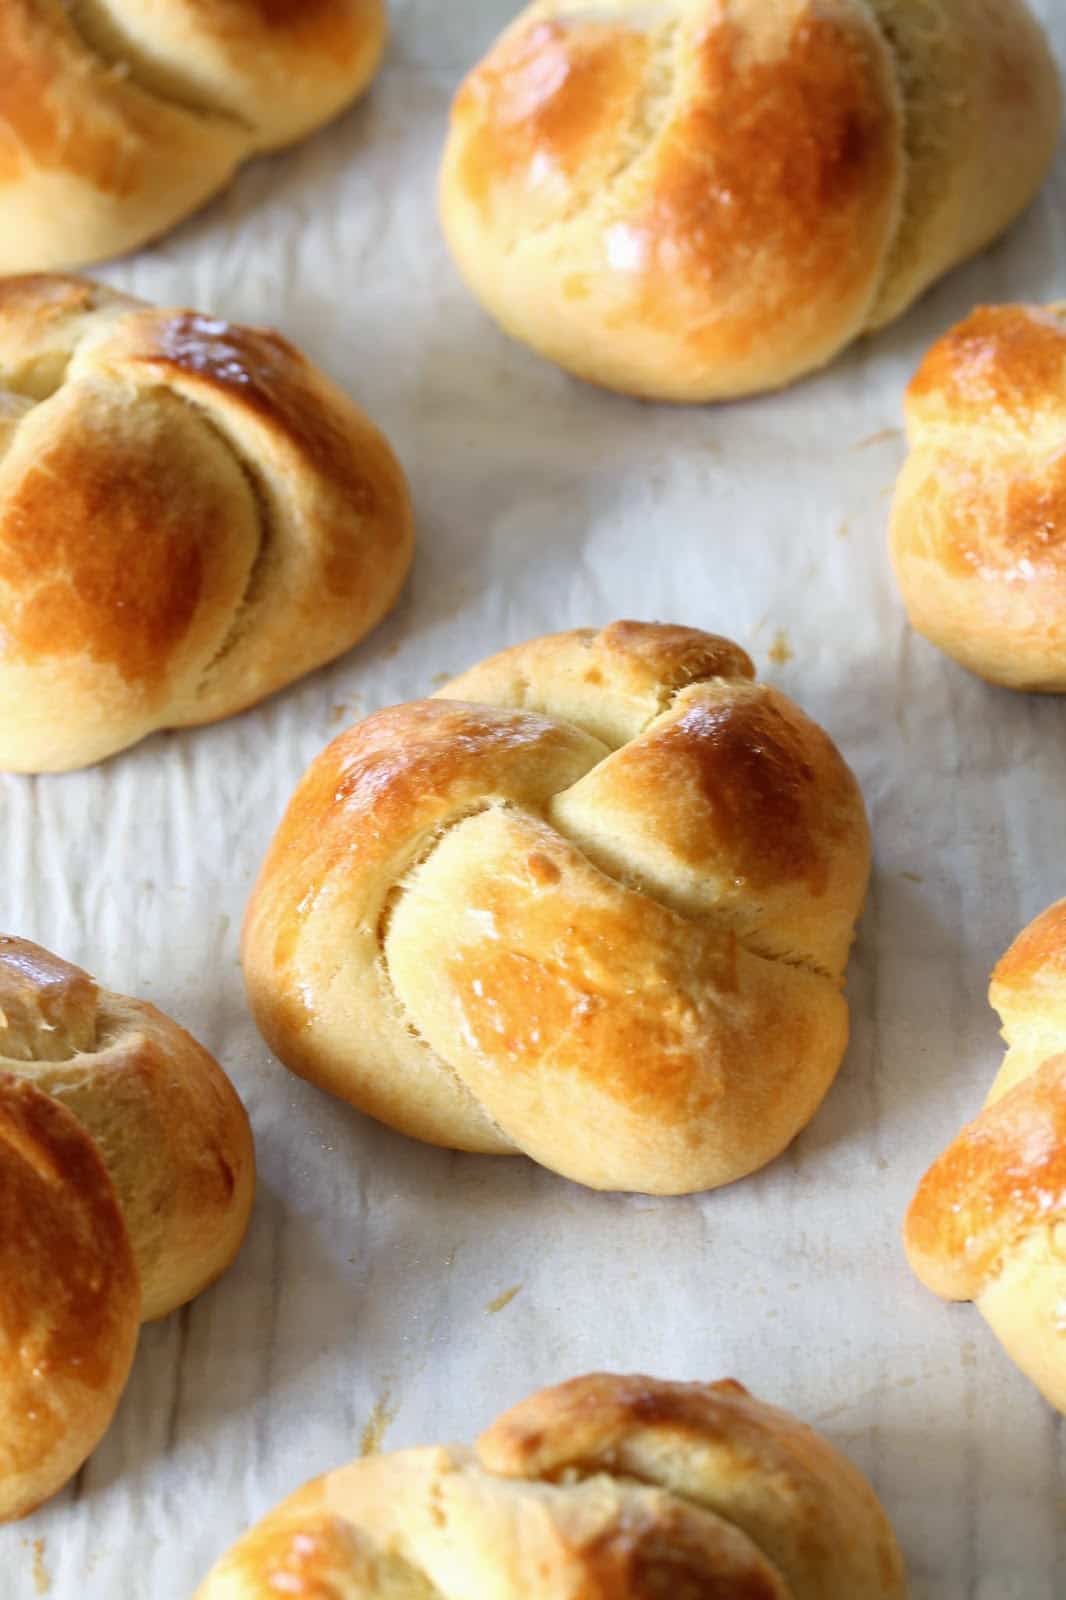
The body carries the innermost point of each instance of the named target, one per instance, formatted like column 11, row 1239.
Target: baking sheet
column 391, row 1294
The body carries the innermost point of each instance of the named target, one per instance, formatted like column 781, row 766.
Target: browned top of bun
column 49, row 1008
column 46, row 96
column 994, row 392
column 190, row 516
column 1002, row 1176
column 995, row 386
column 692, row 200
column 1003, row 1179
column 1002, row 367
column 649, row 867
column 979, row 520
column 620, row 1488
column 1033, row 970
column 803, row 141
column 70, row 1296
column 118, row 118
column 165, row 1119
column 690, row 157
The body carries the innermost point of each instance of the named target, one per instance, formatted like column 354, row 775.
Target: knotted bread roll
column 70, row 1297
column 190, row 517
column 979, row 521
column 988, row 1222
column 603, row 882
column 127, row 1174
column 691, row 200
column 120, row 117
column 604, row 1488
column 165, row 1118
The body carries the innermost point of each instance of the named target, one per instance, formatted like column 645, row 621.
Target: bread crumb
column 42, row 1578
column 781, row 652
column 502, row 1300
column 381, row 1419
column 353, row 708
column 882, row 437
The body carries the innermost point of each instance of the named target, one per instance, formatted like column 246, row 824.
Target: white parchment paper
column 367, row 1307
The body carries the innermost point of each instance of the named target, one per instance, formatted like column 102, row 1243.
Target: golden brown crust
column 411, row 769
column 267, row 376
column 564, row 1001
column 695, row 201
column 652, row 868
column 80, row 174
column 364, row 1530
column 1002, row 1176
column 115, row 124
column 49, row 1008
column 704, row 1442
column 166, row 1120
column 1007, row 360
column 1035, row 965
column 130, row 600
column 749, row 793
column 594, row 76
column 744, row 763
column 1028, row 989
column 322, row 27
column 314, row 1554
column 647, row 181
column 41, row 297
column 610, row 681
column 979, row 521
column 360, row 817
column 606, row 1487
column 46, row 125
column 236, row 56
column 579, row 1426
column 69, row 1297
column 987, row 1222
column 241, row 494
column 806, row 149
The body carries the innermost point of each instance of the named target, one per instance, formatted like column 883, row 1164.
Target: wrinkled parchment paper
column 392, row 1294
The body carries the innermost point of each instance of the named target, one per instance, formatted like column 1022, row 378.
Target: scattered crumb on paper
column 503, row 1300
column 379, row 1422
column 42, row 1578
column 347, row 710
column 912, row 877
column 781, row 652
column 883, row 436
